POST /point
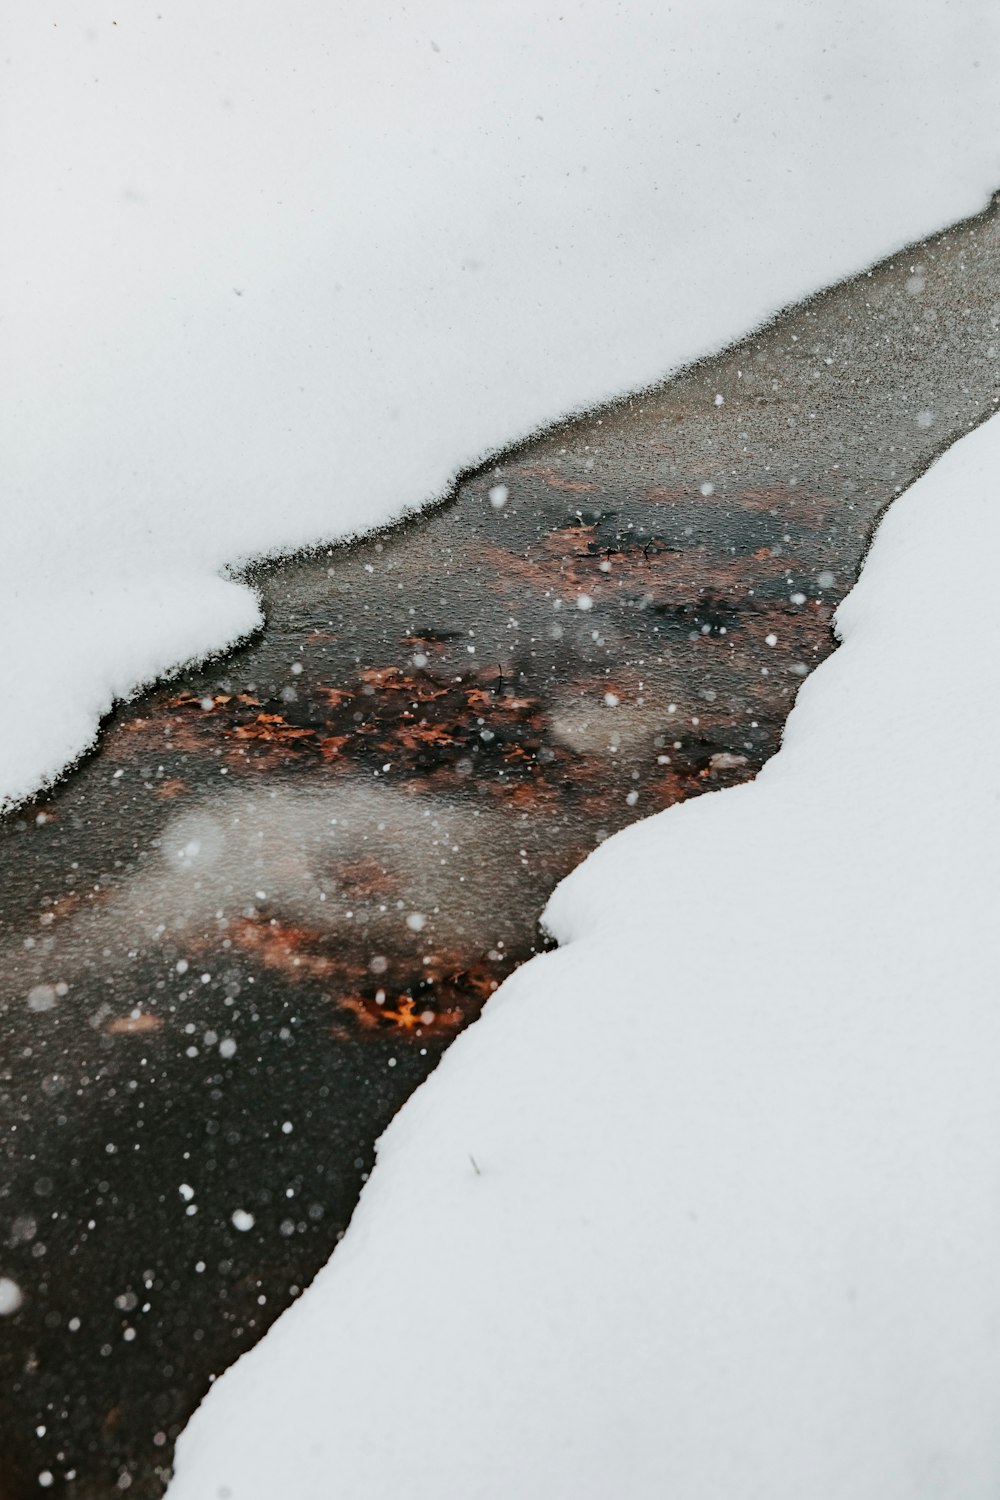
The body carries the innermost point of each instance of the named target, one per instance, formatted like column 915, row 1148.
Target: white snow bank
column 736, row 1225
column 273, row 273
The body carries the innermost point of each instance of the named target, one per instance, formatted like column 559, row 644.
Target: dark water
column 237, row 937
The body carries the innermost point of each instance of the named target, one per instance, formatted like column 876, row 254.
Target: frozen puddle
column 242, row 932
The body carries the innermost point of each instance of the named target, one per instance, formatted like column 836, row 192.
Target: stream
column 238, row 935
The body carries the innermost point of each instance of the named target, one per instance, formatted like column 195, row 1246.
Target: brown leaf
column 133, row 1025
column 416, row 736
column 271, row 727
column 334, row 696
column 332, row 745
column 193, row 700
column 172, row 787
column 383, row 677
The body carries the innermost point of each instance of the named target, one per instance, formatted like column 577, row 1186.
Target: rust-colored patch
column 133, row 1025
column 555, row 480
column 295, row 952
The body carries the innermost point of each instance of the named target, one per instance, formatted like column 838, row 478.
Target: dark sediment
column 237, row 937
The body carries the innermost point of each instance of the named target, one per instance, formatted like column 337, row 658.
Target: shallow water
column 238, row 936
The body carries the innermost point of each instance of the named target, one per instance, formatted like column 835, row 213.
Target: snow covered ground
column 708, row 1203
column 271, row 274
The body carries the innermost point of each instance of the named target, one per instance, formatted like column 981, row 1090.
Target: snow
column 10, row 1297
column 274, row 274
column 708, row 1203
